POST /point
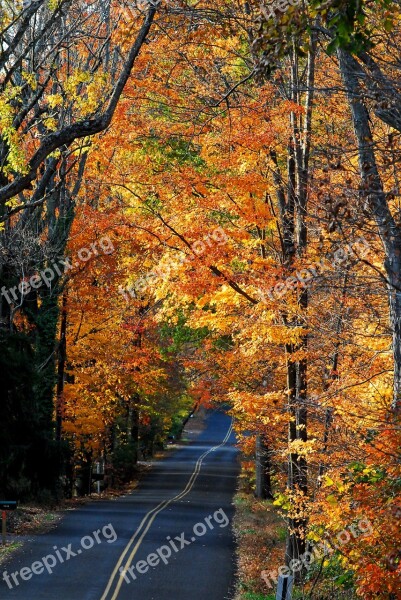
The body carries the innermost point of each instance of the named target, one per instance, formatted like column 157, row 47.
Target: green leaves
column 361, row 473
column 349, row 24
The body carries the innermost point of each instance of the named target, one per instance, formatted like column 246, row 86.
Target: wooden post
column 6, row 505
column 284, row 587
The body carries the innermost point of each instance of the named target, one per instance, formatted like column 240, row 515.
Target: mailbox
column 8, row 504
column 97, row 476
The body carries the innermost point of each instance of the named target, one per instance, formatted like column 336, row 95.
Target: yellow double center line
column 148, row 519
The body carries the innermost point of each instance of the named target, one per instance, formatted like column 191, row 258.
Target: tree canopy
column 200, row 203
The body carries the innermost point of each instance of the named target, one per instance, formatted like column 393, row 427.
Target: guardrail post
column 284, row 587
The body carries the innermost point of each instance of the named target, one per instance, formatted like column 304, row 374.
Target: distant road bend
column 171, row 539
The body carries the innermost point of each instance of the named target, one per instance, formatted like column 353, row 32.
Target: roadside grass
column 251, row 596
column 8, row 549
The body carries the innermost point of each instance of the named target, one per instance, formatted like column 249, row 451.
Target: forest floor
column 260, row 533
column 27, row 521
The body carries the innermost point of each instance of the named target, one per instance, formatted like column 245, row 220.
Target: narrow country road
column 171, row 539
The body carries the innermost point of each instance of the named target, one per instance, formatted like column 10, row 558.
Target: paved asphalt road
column 171, row 539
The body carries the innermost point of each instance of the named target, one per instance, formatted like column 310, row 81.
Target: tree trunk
column 297, row 370
column 376, row 200
column 62, row 357
column 263, row 469
column 395, row 321
column 133, row 427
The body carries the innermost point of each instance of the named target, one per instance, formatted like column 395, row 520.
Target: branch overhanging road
column 192, row 488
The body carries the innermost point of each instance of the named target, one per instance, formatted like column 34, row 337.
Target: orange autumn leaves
column 181, row 161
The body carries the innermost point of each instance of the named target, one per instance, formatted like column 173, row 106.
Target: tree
column 57, row 89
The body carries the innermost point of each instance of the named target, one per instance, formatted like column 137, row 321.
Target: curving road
column 171, row 539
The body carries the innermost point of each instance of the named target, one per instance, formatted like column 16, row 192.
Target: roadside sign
column 8, row 504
